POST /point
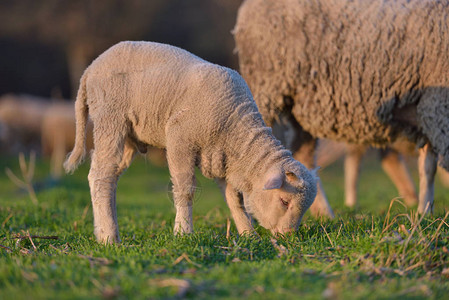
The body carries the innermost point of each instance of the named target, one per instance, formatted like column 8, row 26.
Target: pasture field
column 376, row 251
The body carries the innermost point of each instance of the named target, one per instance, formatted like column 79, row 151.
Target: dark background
column 46, row 44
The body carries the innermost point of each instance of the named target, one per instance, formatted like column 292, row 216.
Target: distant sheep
column 21, row 118
column 37, row 123
column 362, row 72
column 142, row 93
column 58, row 135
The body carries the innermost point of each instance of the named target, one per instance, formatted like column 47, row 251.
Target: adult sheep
column 141, row 93
column 362, row 72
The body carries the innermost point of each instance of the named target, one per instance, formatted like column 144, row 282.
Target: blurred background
column 45, row 46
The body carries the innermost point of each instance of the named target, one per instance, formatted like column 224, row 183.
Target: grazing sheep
column 21, row 118
column 58, row 134
column 142, row 93
column 362, row 72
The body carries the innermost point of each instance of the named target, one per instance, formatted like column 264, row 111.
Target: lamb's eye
column 284, row 203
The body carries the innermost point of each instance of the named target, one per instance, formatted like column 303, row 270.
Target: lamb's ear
column 294, row 179
column 274, row 181
column 291, row 176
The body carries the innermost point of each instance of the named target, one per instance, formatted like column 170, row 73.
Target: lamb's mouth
column 276, row 231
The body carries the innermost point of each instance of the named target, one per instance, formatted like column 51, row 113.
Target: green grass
column 370, row 252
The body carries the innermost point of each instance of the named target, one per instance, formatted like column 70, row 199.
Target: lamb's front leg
column 427, row 166
column 235, row 203
column 181, row 163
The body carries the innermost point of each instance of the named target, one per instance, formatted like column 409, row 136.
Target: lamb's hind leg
column 129, row 152
column 109, row 141
column 427, row 166
column 181, row 163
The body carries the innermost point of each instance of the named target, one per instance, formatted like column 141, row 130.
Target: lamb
column 143, row 93
column 361, row 72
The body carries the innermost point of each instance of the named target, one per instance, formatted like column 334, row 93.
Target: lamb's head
column 279, row 201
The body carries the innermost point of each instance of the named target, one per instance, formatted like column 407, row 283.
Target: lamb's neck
column 254, row 153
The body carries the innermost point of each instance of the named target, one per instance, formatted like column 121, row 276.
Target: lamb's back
column 160, row 86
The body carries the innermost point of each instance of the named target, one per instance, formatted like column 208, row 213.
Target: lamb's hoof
column 106, row 239
column 250, row 234
column 182, row 230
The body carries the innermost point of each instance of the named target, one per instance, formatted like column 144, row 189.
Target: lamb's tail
column 81, row 114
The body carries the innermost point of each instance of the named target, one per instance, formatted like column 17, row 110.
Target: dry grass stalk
column 339, row 231
column 280, row 248
column 415, row 226
column 184, row 256
column 437, row 232
column 6, row 248
column 387, row 222
column 228, row 229
column 31, row 240
column 23, row 237
column 328, row 237
column 27, row 175
column 7, row 219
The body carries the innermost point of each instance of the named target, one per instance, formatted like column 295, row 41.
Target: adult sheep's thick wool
column 362, row 72
column 142, row 93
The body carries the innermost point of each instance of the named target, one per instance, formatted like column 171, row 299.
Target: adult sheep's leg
column 427, row 166
column 235, row 203
column 306, row 155
column 394, row 165
column 181, row 163
column 353, row 159
column 444, row 176
column 103, row 176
